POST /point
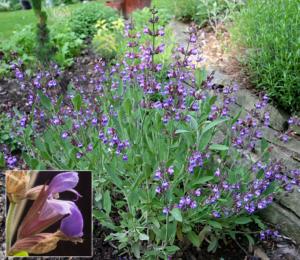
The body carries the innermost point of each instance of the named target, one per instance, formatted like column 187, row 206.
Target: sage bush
column 170, row 161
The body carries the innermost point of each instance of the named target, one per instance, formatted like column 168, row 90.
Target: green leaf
column 218, row 147
column 213, row 124
column 2, row 160
column 104, row 219
column 215, row 224
column 172, row 249
column 180, row 131
column 45, row 101
column 200, row 75
column 194, row 238
column 58, row 103
column 213, row 245
column 176, row 213
column 107, row 202
column 243, row 220
column 136, row 250
column 250, row 239
column 21, row 253
column 77, row 101
column 203, row 233
column 203, row 179
column 259, row 222
column 205, row 139
column 143, row 237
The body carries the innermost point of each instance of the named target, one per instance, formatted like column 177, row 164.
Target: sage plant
column 172, row 158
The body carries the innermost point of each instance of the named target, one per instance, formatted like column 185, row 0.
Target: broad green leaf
column 194, row 238
column 213, row 124
column 172, row 249
column 176, row 213
column 104, row 219
column 259, row 222
column 143, row 237
column 250, row 239
column 2, row 160
column 45, row 101
column 58, row 103
column 215, row 224
column 180, row 131
column 107, row 202
column 218, row 147
column 136, row 250
column 203, row 233
column 243, row 220
column 203, row 179
column 77, row 101
column 213, row 245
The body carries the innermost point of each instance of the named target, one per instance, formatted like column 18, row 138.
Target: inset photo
column 48, row 213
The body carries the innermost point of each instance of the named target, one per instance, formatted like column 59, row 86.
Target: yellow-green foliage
column 107, row 40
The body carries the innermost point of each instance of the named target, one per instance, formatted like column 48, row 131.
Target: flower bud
column 37, row 244
column 34, row 192
column 16, row 185
column 41, row 243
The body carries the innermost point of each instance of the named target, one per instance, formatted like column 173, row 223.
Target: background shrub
column 67, row 44
column 269, row 29
column 84, row 18
column 200, row 11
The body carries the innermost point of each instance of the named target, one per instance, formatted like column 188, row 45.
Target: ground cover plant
column 170, row 163
column 201, row 11
column 269, row 30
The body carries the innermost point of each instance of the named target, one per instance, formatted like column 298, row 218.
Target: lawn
column 12, row 21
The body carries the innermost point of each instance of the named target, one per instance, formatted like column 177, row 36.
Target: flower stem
column 9, row 218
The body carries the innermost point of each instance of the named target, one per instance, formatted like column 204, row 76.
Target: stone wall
column 285, row 212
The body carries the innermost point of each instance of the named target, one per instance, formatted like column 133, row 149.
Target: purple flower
column 166, row 210
column 171, row 170
column 46, row 210
column 64, row 135
column 197, row 192
column 94, row 121
column 193, row 205
column 52, row 83
column 218, row 173
column 90, row 148
column 216, row 214
column 78, row 155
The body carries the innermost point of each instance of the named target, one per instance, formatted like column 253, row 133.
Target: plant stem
column 9, row 218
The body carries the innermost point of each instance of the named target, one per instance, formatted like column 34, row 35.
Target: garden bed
column 94, row 87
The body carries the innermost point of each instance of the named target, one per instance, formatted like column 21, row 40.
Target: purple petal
column 63, row 182
column 53, row 207
column 72, row 225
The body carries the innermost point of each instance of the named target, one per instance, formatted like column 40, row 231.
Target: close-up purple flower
column 48, row 210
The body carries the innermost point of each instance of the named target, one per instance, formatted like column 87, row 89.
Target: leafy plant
column 108, row 40
column 201, row 11
column 168, row 159
column 269, row 31
column 21, row 45
column 84, row 18
column 67, row 44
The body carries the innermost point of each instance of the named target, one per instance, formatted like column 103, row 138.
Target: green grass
column 269, row 30
column 12, row 21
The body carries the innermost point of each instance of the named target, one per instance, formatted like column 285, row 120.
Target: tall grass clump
column 270, row 31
